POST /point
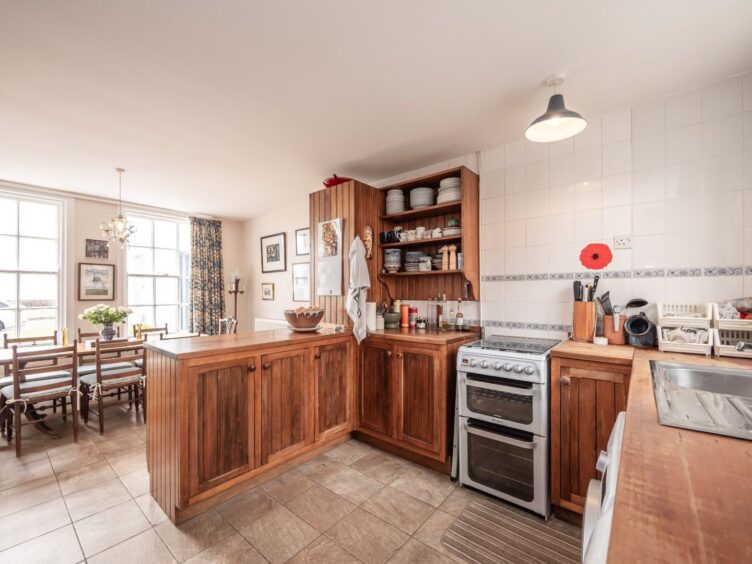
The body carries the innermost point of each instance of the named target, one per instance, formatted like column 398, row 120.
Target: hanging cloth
column 357, row 290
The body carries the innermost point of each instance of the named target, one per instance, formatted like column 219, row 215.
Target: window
column 158, row 265
column 30, row 265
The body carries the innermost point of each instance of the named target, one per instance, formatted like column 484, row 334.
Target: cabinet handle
column 399, row 355
column 317, row 355
column 565, row 380
column 388, row 353
column 252, row 368
column 266, row 366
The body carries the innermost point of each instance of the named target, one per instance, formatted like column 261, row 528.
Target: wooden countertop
column 424, row 336
column 613, row 354
column 682, row 496
column 206, row 346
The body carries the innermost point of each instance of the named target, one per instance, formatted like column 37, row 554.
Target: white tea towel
column 357, row 290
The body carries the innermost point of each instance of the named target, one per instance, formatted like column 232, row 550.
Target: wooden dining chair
column 145, row 332
column 36, row 382
column 94, row 335
column 30, row 341
column 104, row 386
column 228, row 325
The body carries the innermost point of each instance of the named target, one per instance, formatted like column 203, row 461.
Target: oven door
column 509, row 465
column 511, row 403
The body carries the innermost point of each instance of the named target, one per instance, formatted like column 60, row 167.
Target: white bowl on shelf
column 450, row 182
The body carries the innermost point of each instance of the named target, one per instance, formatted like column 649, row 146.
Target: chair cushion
column 92, row 368
column 8, row 380
column 27, row 388
column 91, row 379
column 139, row 363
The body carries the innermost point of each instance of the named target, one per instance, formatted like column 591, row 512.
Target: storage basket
column 691, row 348
column 670, row 315
column 726, row 339
column 719, row 323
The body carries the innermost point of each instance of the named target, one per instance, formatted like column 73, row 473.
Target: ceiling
column 235, row 107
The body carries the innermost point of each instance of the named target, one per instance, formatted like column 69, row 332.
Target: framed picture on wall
column 303, row 241
column 301, row 282
column 96, row 282
column 96, row 248
column 267, row 291
column 273, row 253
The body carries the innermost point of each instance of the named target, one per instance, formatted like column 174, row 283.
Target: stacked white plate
column 451, row 182
column 449, row 190
column 421, row 198
column 412, row 260
column 452, row 231
column 395, row 201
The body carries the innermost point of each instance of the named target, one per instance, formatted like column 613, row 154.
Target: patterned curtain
column 207, row 278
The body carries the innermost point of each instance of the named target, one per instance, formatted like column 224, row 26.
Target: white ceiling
column 235, row 107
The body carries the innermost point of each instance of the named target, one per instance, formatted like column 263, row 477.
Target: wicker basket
column 691, row 348
column 670, row 315
column 726, row 339
column 719, row 323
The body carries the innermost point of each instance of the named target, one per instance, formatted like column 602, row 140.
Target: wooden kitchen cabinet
column 287, row 392
column 588, row 390
column 332, row 365
column 222, row 422
column 375, row 384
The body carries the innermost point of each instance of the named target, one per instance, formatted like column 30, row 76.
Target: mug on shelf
column 420, row 233
column 411, row 235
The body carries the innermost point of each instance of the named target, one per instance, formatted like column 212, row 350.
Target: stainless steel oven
column 509, row 464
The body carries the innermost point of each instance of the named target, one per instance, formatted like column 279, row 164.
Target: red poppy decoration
column 596, row 256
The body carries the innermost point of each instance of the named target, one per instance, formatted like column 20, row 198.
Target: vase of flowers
column 106, row 316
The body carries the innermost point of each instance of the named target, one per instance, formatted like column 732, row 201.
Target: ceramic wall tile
column 649, row 218
column 648, row 118
column 564, row 147
column 535, row 151
column 514, row 207
column 617, row 221
column 617, row 158
column 617, row 126
column 747, row 125
column 588, row 195
column 590, row 136
column 587, row 163
column 537, row 231
column 562, row 227
column 722, row 98
column 648, row 251
column 723, row 173
column 561, row 199
column 514, row 153
column 684, row 180
column 514, row 179
column 617, row 190
column 514, row 233
column 492, row 184
column 684, row 143
column 536, row 203
column 747, row 92
column 536, row 175
column 684, row 109
column 649, row 151
column 722, row 136
column 588, row 225
column 649, row 185
column 561, row 169
column 493, row 159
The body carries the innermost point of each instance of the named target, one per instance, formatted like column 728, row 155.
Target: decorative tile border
column 674, row 272
column 724, row 271
column 649, row 273
column 683, row 272
column 537, row 276
column 563, row 328
column 618, row 274
column 562, row 276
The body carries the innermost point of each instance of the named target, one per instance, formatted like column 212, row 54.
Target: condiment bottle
column 459, row 321
column 404, row 315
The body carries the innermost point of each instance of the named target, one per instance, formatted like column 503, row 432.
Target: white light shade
column 556, row 124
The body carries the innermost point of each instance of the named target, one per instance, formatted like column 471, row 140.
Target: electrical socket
column 622, row 242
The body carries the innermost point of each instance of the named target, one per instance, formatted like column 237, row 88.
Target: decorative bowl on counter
column 304, row 318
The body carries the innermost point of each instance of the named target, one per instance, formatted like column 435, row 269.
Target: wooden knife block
column 583, row 321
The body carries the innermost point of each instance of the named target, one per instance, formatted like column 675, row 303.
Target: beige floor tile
column 323, row 551
column 145, row 547
column 28, row 495
column 349, row 452
column 399, row 509
column 286, row 486
column 433, row 529
column 110, row 527
column 350, row 484
column 126, row 441
column 79, row 478
column 192, row 537
column 127, row 462
column 244, row 509
column 59, row 546
column 415, row 552
column 320, row 506
column 230, row 550
column 380, row 466
column 97, row 497
column 16, row 471
column 424, row 484
column 367, row 537
column 151, row 509
column 75, row 456
column 279, row 534
column 32, row 522
column 318, row 467
column 137, row 483
column 459, row 499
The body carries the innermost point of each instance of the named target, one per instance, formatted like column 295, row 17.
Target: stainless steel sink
column 704, row 398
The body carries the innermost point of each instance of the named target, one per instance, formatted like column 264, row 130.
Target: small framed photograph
column 96, row 282
column 267, row 291
column 98, row 249
column 301, row 282
column 303, row 241
column 273, row 253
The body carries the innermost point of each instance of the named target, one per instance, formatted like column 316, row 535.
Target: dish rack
column 669, row 315
column 691, row 348
column 726, row 340
column 719, row 323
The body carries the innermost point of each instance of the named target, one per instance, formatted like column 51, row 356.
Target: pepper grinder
column 452, row 257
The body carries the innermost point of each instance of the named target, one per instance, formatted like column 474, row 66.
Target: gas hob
column 504, row 344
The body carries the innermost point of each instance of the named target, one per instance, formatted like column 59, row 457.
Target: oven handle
column 497, row 437
column 499, row 387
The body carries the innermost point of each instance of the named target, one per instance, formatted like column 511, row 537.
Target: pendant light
column 118, row 229
column 558, row 122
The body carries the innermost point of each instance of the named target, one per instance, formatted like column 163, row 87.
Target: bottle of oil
column 443, row 321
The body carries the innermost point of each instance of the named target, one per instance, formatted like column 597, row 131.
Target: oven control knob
column 484, row 364
column 529, row 370
column 472, row 362
column 518, row 368
column 497, row 366
column 507, row 367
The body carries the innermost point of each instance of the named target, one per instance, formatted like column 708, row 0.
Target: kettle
column 642, row 332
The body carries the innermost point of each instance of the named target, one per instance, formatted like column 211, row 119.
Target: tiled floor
column 66, row 502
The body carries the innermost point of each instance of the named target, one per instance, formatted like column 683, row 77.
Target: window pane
column 167, row 291
column 166, row 262
column 185, row 324
column 140, row 260
column 165, row 234
column 38, row 254
column 143, row 315
column 8, row 216
column 7, row 291
column 140, row 290
column 143, row 234
column 8, row 252
column 38, row 220
column 38, row 290
column 8, row 318
column 168, row 315
column 184, row 231
column 36, row 322
column 185, row 290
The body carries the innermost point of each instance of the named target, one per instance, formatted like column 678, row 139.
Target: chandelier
column 118, row 228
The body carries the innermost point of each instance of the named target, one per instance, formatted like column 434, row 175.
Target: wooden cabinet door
column 586, row 398
column 420, row 398
column 332, row 368
column 287, row 393
column 221, row 422
column 375, row 389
